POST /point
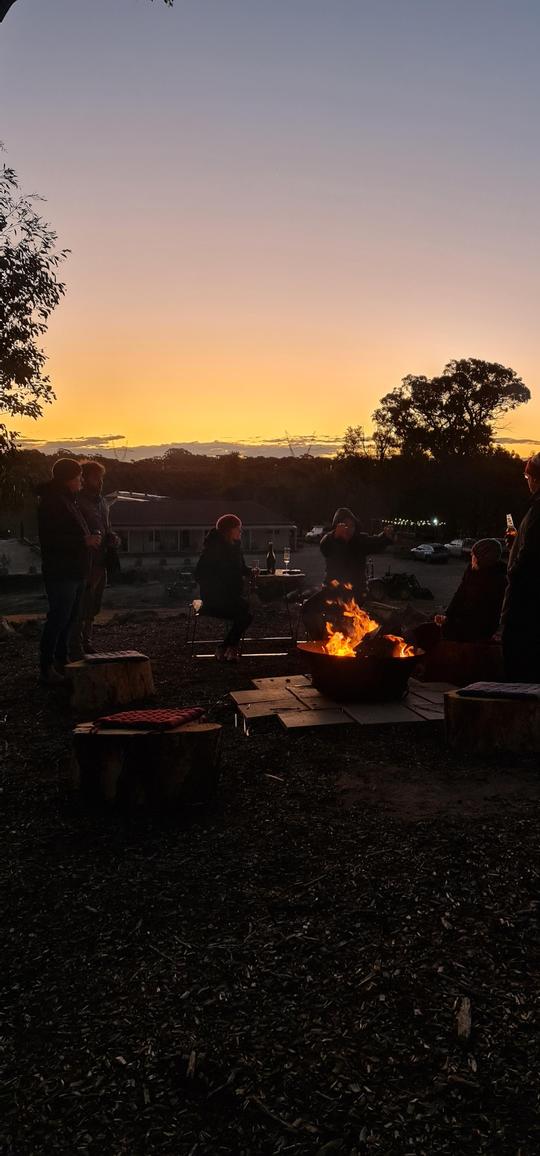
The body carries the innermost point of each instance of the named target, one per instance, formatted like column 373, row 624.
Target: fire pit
column 359, row 662
column 348, row 679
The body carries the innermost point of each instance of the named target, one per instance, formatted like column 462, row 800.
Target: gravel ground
column 281, row 973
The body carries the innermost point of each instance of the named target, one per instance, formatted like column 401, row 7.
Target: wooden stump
column 101, row 686
column 487, row 725
column 155, row 769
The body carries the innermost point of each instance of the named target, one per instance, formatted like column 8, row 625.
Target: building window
column 166, row 541
column 141, row 541
column 185, row 539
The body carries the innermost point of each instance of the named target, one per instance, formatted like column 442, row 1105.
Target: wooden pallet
column 297, row 704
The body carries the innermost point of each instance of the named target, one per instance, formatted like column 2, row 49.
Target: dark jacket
column 346, row 561
column 62, row 529
column 474, row 613
column 521, row 609
column 95, row 512
column 220, row 571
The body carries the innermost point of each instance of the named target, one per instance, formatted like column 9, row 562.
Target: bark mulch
column 337, row 957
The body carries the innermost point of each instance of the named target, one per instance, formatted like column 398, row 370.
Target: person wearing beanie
column 220, row 572
column 345, row 550
column 95, row 512
column 474, row 613
column 65, row 542
column 521, row 608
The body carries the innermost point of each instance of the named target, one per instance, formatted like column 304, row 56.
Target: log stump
column 105, row 681
column 486, row 725
column 159, row 770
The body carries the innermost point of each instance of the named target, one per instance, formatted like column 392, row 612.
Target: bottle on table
column 271, row 559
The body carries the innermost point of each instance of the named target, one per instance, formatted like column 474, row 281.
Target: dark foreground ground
column 278, row 975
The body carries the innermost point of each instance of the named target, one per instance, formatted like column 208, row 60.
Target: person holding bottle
column 220, row 572
column 521, row 608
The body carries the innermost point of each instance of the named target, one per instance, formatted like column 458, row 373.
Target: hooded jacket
column 474, row 613
column 62, row 530
column 346, row 561
column 220, row 571
column 521, row 608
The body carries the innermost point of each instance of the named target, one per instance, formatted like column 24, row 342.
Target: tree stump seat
column 108, row 680
column 463, row 662
column 508, row 721
column 146, row 763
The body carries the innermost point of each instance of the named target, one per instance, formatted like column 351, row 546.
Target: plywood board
column 302, row 719
column 313, row 698
column 266, row 709
column 266, row 694
column 285, row 680
column 380, row 713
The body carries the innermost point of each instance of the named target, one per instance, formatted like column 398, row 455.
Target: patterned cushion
column 153, row 719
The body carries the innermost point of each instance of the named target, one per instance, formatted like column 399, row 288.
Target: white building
column 152, row 527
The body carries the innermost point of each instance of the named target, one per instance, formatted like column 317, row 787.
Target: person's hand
column 113, row 539
column 511, row 533
column 389, row 531
column 440, row 619
column 93, row 540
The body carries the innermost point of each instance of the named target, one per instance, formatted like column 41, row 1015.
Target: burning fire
column 344, row 645
column 360, row 627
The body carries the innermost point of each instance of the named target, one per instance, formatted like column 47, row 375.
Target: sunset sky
column 276, row 208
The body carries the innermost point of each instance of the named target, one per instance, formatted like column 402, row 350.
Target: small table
column 276, row 588
column 273, row 587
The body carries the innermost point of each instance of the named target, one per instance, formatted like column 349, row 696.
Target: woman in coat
column 220, row 572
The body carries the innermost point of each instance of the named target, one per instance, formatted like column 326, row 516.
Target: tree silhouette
column 452, row 415
column 29, row 291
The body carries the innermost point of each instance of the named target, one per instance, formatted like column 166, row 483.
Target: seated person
column 345, row 550
column 220, row 572
column 473, row 614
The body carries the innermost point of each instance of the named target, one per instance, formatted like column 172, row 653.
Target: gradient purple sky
column 276, row 208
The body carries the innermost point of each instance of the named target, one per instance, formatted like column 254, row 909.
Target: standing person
column 66, row 542
column 95, row 511
column 220, row 572
column 345, row 549
column 521, row 608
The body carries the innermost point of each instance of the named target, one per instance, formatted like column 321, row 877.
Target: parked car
column 397, row 588
column 315, row 534
column 431, row 552
column 467, row 545
column 455, row 547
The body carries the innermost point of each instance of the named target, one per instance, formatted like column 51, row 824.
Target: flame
column 401, row 648
column 360, row 625
column 344, row 645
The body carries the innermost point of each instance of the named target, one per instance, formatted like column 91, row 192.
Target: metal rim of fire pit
column 368, row 679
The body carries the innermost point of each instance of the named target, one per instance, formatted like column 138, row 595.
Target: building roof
column 139, row 511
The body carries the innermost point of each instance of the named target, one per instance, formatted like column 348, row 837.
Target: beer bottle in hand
column 271, row 559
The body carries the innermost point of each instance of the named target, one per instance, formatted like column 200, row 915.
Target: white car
column 430, row 552
column 315, row 534
column 455, row 547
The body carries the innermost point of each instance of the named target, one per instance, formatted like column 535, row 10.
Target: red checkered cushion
column 155, row 719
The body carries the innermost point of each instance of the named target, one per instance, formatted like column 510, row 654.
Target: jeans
column 238, row 613
column 64, row 595
column 89, row 606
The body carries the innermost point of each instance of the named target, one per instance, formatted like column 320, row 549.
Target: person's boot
column 51, row 677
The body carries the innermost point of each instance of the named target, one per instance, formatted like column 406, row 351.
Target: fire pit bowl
column 368, row 679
